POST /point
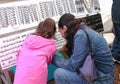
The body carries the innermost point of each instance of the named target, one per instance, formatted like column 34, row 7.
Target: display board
column 18, row 19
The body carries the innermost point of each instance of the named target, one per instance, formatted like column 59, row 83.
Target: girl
column 35, row 55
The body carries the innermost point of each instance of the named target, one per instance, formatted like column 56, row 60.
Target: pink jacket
column 33, row 59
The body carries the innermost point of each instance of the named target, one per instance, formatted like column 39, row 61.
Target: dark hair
column 72, row 25
column 46, row 28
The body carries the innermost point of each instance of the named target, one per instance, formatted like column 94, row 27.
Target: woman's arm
column 80, row 52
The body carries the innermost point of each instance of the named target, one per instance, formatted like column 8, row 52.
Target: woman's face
column 63, row 31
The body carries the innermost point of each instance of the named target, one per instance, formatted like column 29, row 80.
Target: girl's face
column 63, row 31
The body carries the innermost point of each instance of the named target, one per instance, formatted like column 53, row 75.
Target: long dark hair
column 46, row 28
column 72, row 25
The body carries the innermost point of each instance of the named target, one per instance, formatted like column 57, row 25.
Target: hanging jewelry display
column 96, row 5
column 26, row 14
column 51, row 9
column 66, row 7
column 0, row 19
column 20, row 15
column 45, row 9
column 82, row 9
column 4, row 19
column 88, row 5
column 59, row 7
column 42, row 9
column 79, row 6
column 72, row 6
column 11, row 16
column 33, row 11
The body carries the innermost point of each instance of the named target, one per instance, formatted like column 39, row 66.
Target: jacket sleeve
column 80, row 52
column 51, row 53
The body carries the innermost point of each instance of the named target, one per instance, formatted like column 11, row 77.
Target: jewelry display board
column 25, row 15
column 19, row 19
column 9, row 48
column 95, row 22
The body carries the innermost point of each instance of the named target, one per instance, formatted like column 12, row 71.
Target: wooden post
column 8, row 79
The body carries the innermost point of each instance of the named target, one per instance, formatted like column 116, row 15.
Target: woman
column 78, row 49
column 35, row 55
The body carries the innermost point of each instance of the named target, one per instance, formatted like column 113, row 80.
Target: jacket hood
column 34, row 42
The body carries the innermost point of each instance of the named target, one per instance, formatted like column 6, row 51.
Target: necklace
column 88, row 5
